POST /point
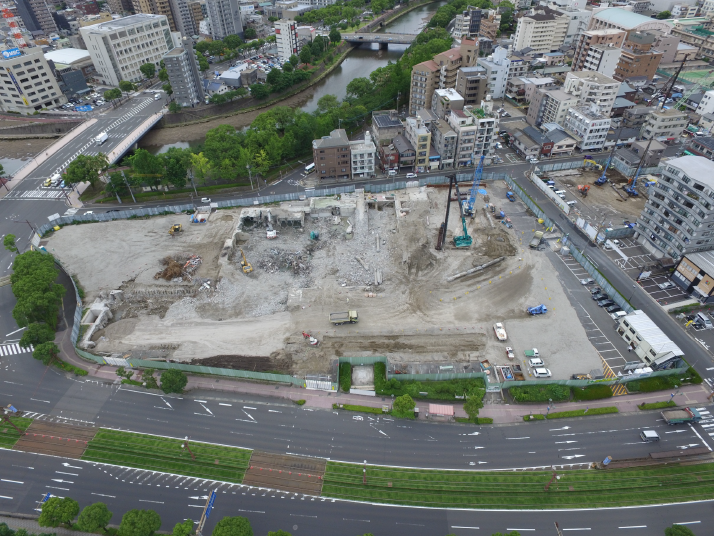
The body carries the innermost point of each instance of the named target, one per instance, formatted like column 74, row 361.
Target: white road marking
column 45, row 401
column 518, row 438
column 102, row 495
column 157, row 502
column 11, row 481
column 63, row 473
column 70, row 466
column 461, row 527
column 222, row 404
column 634, row 527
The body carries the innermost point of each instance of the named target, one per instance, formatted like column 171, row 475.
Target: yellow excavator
column 175, row 229
column 247, row 268
column 589, row 160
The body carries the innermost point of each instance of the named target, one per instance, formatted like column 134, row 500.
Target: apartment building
column 182, row 17
column 611, row 38
column 531, row 85
column 332, row 155
column 701, row 146
column 706, row 105
column 196, row 11
column 24, row 10
column 578, row 22
column 664, row 125
column 118, row 48
column 550, row 106
column 678, row 217
column 386, row 126
column 543, row 29
column 497, row 68
column 588, row 126
column 477, row 129
column 519, row 65
column 684, row 11
column 27, row 83
column 364, row 156
column 184, row 76
column 591, row 87
column 638, row 57
column 603, row 59
column 445, row 100
column 424, row 80
column 420, row 138
column 471, row 84
column 286, row 38
column 42, row 12
column 156, row 7
column 444, row 140
column 225, row 18
column 490, row 24
column 463, row 125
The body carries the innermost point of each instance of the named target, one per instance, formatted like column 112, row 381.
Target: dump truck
column 681, row 416
column 510, row 196
column 536, row 240
column 500, row 331
column 347, row 317
column 101, row 138
column 537, row 310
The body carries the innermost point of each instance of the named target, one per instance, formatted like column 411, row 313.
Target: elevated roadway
column 384, row 39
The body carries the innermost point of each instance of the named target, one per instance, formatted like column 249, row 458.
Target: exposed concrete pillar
column 383, row 46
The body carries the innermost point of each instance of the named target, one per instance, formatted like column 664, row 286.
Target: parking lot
column 666, row 296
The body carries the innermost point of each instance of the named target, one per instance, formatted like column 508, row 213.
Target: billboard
column 11, row 53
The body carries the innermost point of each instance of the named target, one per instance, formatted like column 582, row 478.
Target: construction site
column 251, row 288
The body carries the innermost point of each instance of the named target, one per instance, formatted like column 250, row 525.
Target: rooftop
column 429, row 65
column 697, row 167
column 621, row 102
column 623, row 134
column 386, row 121
column 706, row 141
column 704, row 260
column 654, row 336
column 68, row 55
column 623, row 18
column 124, row 22
column 556, row 135
column 402, row 145
column 449, row 93
column 337, row 138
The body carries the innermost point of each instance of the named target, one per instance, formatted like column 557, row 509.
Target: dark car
column 595, row 290
column 605, row 303
column 614, row 309
column 601, row 296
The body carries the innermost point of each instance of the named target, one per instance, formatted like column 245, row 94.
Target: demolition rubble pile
column 179, row 267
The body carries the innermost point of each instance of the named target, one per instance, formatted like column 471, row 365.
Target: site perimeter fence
column 532, row 205
column 601, row 280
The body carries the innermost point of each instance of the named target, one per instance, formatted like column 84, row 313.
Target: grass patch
column 540, row 393
column 592, row 392
column 654, row 383
column 477, row 420
column 534, row 417
column 69, row 368
column 162, row 454
column 582, row 412
column 346, row 377
column 482, row 489
column 435, row 390
column 657, row 405
column 8, row 435
column 132, row 382
column 80, row 288
column 300, row 402
column 363, row 409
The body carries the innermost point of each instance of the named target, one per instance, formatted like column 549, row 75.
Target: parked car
column 595, row 290
column 605, row 303
column 601, row 296
column 542, row 373
column 666, row 285
column 205, row 200
column 588, row 281
column 535, row 362
column 613, row 309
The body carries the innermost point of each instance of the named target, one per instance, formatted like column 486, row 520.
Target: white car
column 205, row 200
column 588, row 281
column 666, row 285
column 542, row 373
column 509, row 353
column 535, row 362
column 411, row 175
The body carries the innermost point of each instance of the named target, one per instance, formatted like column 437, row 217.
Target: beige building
column 156, row 7
column 695, row 274
column 542, row 29
column 664, row 124
column 609, row 37
column 27, row 83
column 471, row 83
column 549, row 106
column 420, row 137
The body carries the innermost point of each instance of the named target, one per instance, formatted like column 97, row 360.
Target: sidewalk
column 31, row 526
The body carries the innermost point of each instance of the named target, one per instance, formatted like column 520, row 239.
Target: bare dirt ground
column 23, row 149
column 255, row 321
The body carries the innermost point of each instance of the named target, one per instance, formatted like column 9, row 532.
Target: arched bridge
column 384, row 39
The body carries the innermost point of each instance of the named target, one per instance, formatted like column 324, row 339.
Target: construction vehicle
column 347, row 317
column 175, row 229
column 536, row 240
column 469, row 208
column 532, row 353
column 583, row 189
column 500, row 331
column 463, row 241
column 247, row 268
column 510, row 196
column 631, row 186
column 603, row 178
column 681, row 416
column 271, row 233
column 537, row 310
column 589, row 160
column 444, row 225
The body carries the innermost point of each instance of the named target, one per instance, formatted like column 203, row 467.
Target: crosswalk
column 38, row 193
column 707, row 422
column 14, row 349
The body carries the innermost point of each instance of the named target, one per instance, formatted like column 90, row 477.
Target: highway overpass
column 384, row 39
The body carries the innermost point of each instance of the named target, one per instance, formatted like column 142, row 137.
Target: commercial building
column 563, row 144
column 638, row 58
column 588, row 126
column 648, row 341
column 286, row 38
column 120, row 47
column 664, row 125
column 331, row 155
column 497, row 69
column 406, row 151
column 184, row 77
column 225, row 18
column 386, row 126
column 694, row 273
column 156, row 7
column 678, row 218
column 363, row 159
column 27, row 83
column 543, row 29
column 621, row 19
column 591, row 87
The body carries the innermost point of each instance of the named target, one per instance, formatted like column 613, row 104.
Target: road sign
column 85, row 108
column 210, row 504
column 46, row 498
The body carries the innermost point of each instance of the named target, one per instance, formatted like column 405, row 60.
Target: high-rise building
column 196, row 10
column 610, row 37
column 591, row 87
column 472, row 84
column 543, row 29
column 42, row 20
column 497, row 67
column 118, row 48
column 182, row 68
column 27, row 15
column 638, row 57
column 181, row 13
column 156, row 7
column 27, row 83
column 121, row 6
column 286, row 38
column 225, row 18
column 678, row 218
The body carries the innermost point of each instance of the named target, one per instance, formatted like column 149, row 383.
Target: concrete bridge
column 384, row 39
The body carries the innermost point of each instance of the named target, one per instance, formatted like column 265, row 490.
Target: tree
column 403, row 404
column 56, row 511
column 664, row 15
column 168, row 89
column 288, row 67
column 259, row 91
column 94, row 517
column 327, row 103
column 200, row 166
column 139, row 523
column 176, row 162
column 232, row 41
column 183, row 529
column 473, row 405
column 47, row 352
column 174, row 107
column 250, row 33
column 233, row 526
column 279, row 533
column 203, row 64
column 9, row 243
column 164, row 75
column 36, row 334
column 173, row 381
column 126, row 86
column 294, row 60
column 148, row 70
column 678, row 530
column 305, row 54
column 86, row 169
column 147, row 164
column 112, row 94
column 335, row 35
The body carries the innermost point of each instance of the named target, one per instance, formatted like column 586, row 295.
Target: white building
column 287, row 40
column 706, row 105
column 182, row 68
column 683, row 11
column 592, row 88
column 588, row 127
column 363, row 157
column 27, row 83
column 603, row 59
column 646, row 339
column 118, row 48
column 578, row 22
column 542, row 29
column 497, row 69
column 225, row 18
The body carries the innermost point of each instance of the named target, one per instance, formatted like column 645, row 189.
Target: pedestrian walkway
column 14, row 349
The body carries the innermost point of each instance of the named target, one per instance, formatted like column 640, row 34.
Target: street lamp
column 550, row 402
column 250, row 176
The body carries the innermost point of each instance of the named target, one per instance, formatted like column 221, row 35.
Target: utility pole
column 557, row 529
column 127, row 186
column 553, row 479
column 364, row 473
column 250, row 176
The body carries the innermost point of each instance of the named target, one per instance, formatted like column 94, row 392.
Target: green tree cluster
column 9, row 243
column 126, row 86
column 148, row 70
column 173, row 381
column 7, row 531
column 446, row 13
column 58, row 511
column 112, row 94
column 336, row 13
column 663, row 15
column 229, row 95
column 86, row 168
column 250, row 33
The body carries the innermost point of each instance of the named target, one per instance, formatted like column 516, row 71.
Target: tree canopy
column 404, row 404
column 678, row 530
column 139, row 523
column 233, row 526
column 86, row 168
column 58, row 511
column 173, row 381
column 94, row 517
column 148, row 70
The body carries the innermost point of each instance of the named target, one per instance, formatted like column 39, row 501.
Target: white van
column 701, row 318
column 618, row 315
column 559, row 192
column 649, row 436
column 392, row 172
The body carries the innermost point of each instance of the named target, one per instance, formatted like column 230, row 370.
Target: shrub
column 657, row 405
column 582, row 412
column 536, row 417
column 299, row 402
column 403, row 404
column 655, row 383
column 363, row 409
column 346, row 377
column 380, row 378
column 592, row 392
column 540, row 393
